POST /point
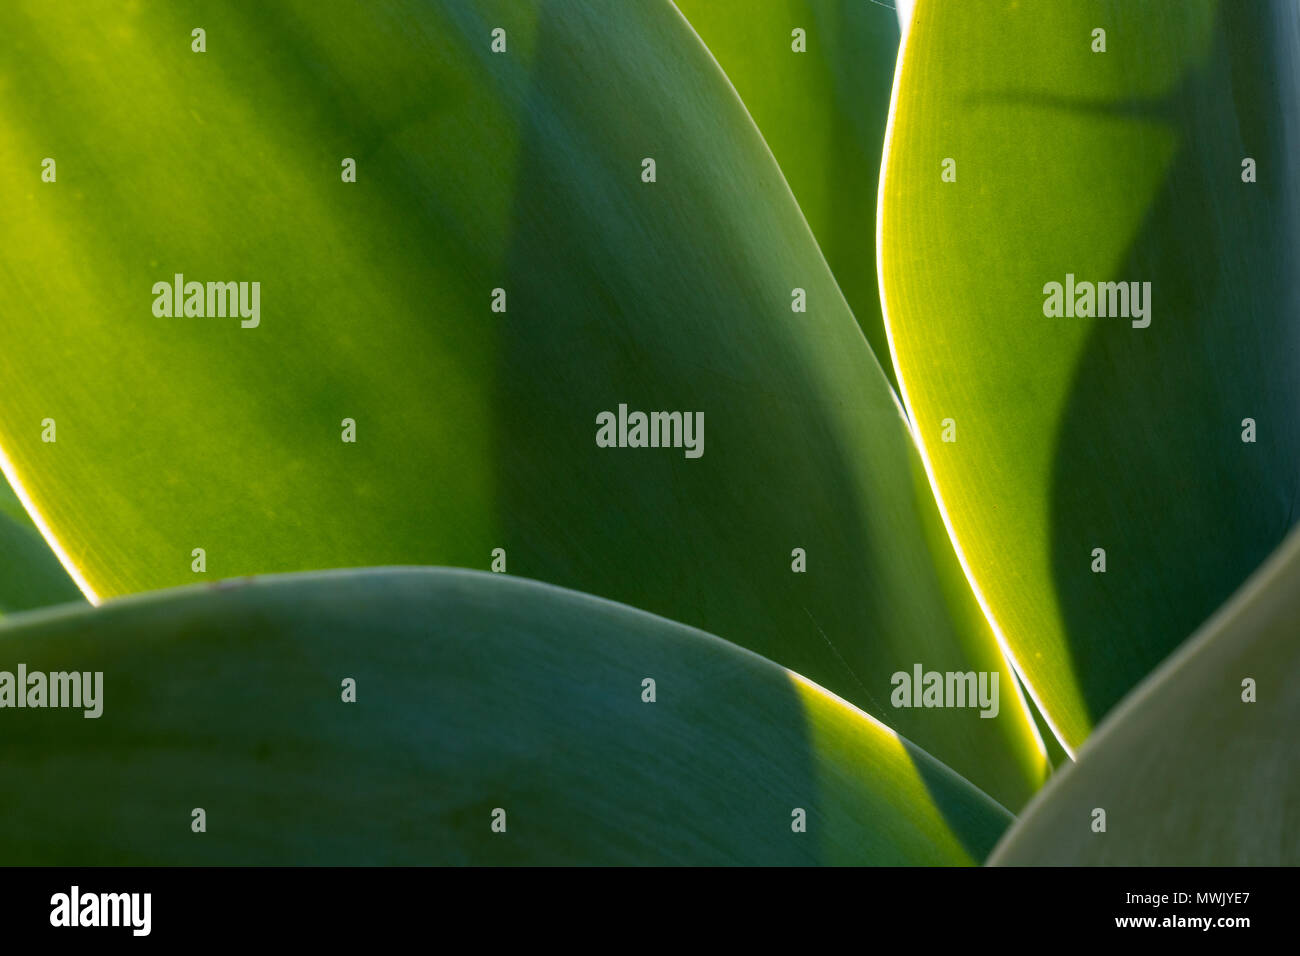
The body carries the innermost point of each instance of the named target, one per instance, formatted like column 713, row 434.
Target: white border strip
column 74, row 572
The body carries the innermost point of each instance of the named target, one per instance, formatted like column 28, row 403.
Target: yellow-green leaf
column 1163, row 441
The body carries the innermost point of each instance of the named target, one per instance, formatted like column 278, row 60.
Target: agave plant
column 383, row 288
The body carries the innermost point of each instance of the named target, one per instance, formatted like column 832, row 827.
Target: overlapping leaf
column 475, row 429
column 1078, row 435
column 1199, row 766
column 473, row 693
column 816, row 77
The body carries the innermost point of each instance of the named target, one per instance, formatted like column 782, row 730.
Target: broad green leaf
column 1189, row 772
column 820, row 98
column 1074, row 434
column 473, row 692
column 30, row 574
column 475, row 430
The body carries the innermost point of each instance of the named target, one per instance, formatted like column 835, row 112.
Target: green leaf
column 822, row 110
column 1188, row 772
column 30, row 574
column 475, row 430
column 1075, row 433
column 473, row 692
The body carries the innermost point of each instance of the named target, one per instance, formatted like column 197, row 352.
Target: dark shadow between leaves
column 1150, row 462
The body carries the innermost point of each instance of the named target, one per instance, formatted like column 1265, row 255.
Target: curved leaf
column 475, row 429
column 473, row 692
column 1075, row 434
column 820, row 100
column 1188, row 771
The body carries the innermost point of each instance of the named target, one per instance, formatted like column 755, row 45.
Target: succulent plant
column 577, row 431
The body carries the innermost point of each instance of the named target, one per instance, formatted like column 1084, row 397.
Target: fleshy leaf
column 476, row 438
column 1109, row 480
column 473, row 693
column 1198, row 766
column 816, row 77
